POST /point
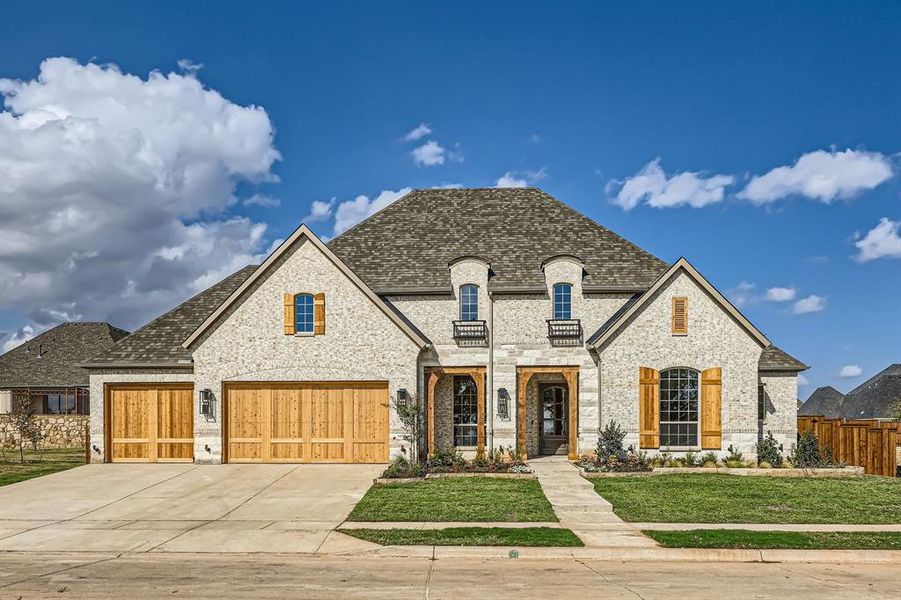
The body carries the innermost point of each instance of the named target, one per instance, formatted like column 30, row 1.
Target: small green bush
column 764, row 465
column 768, row 450
column 708, row 457
column 734, row 455
column 709, row 464
column 690, row 459
column 806, row 453
column 610, row 442
column 400, row 468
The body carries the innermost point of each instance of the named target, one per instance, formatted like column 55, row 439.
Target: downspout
column 490, row 372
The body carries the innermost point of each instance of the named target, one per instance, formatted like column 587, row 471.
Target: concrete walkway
column 581, row 509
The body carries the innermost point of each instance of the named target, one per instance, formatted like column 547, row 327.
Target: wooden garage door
column 306, row 422
column 150, row 424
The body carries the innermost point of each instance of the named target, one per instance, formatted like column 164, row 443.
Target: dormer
column 469, row 278
column 563, row 277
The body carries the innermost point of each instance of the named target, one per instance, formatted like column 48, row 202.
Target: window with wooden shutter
column 289, row 314
column 648, row 408
column 319, row 314
column 680, row 316
column 711, row 408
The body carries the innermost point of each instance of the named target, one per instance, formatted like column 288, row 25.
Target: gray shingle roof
column 776, row 359
column 873, row 399
column 410, row 243
column 52, row 358
column 823, row 402
column 159, row 342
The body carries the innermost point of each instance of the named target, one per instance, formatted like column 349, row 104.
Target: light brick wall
column 360, row 343
column 782, row 406
column 714, row 340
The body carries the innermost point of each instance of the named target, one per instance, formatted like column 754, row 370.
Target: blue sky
column 574, row 97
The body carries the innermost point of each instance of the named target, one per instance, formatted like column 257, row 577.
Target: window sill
column 680, row 335
column 304, row 334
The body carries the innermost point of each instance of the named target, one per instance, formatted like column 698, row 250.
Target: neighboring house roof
column 823, row 402
column 776, row 359
column 409, row 244
column 875, row 398
column 303, row 232
column 159, row 343
column 52, row 359
column 622, row 316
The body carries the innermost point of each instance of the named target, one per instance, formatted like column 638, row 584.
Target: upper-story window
column 563, row 293
column 469, row 302
column 303, row 313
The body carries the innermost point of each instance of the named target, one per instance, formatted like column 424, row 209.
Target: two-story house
column 520, row 323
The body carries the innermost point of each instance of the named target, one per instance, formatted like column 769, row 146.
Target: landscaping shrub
column 708, row 457
column 768, row 450
column 689, row 460
column 610, row 442
column 400, row 468
column 734, row 456
column 627, row 461
column 449, row 460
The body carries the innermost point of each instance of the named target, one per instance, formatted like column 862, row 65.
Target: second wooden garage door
column 306, row 422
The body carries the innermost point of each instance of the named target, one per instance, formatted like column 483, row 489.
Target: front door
column 553, row 433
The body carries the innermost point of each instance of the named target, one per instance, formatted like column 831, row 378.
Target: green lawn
column 456, row 499
column 12, row 471
column 764, row 540
column 469, row 536
column 718, row 498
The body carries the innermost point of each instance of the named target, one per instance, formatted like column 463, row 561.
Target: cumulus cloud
column 262, row 200
column 17, row 338
column 743, row 294
column 429, row 154
column 116, row 190
column 351, row 212
column 651, row 186
column 850, row 371
column 883, row 241
column 320, row 210
column 420, row 131
column 810, row 304
column 520, row 179
column 780, row 294
column 821, row 175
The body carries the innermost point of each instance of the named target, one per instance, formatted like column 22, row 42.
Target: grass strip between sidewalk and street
column 719, row 498
column 36, row 464
column 773, row 540
column 456, row 499
column 470, row 536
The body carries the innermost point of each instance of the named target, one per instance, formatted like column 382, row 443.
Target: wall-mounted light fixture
column 402, row 397
column 206, row 402
column 503, row 403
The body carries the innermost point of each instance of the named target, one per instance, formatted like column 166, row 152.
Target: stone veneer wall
column 714, row 339
column 60, row 431
column 360, row 343
column 781, row 391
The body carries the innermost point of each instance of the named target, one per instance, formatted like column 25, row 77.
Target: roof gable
column 823, row 402
column 409, row 244
column 300, row 234
column 635, row 305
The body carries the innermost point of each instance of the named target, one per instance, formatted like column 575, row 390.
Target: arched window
column 469, row 302
column 563, row 308
column 678, row 408
column 303, row 313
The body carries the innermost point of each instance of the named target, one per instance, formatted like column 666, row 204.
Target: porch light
column 206, row 402
column 503, row 404
column 402, row 397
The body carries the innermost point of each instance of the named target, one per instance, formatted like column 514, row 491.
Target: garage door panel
column 151, row 424
column 306, row 422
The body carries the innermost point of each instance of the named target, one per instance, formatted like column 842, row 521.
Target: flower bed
column 746, row 471
column 450, row 462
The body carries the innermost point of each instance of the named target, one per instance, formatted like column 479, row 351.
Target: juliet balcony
column 564, row 331
column 470, row 331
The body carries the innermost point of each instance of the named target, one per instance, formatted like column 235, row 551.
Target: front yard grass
column 771, row 540
column 718, row 498
column 57, row 459
column 456, row 499
column 469, row 536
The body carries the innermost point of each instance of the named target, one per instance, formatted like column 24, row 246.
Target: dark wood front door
column 553, row 409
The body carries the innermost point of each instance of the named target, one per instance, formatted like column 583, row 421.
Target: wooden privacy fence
column 866, row 443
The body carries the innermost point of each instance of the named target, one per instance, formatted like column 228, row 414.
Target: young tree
column 25, row 425
column 410, row 413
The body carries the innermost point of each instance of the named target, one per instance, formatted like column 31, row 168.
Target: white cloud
column 883, row 241
column 420, row 131
column 811, row 303
column 519, row 179
column 429, row 154
column 850, row 371
column 351, row 212
column 115, row 187
column 535, row 138
column 742, row 294
column 320, row 210
column 188, row 66
column 821, row 175
column 802, row 381
column 780, row 294
column 262, row 200
column 653, row 187
column 17, row 338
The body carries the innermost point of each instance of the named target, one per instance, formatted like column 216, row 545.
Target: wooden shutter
column 648, row 408
column 680, row 315
column 711, row 408
column 319, row 314
column 289, row 314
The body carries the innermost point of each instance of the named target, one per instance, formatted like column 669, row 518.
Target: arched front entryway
column 562, row 420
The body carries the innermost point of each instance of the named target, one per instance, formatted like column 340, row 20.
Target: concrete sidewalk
column 811, row 527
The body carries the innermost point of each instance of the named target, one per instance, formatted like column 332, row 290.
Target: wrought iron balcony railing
column 470, row 330
column 564, row 328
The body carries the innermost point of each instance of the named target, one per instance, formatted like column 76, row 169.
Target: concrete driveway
column 184, row 508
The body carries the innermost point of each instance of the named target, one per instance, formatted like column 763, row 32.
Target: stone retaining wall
column 60, row 431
